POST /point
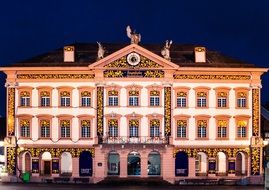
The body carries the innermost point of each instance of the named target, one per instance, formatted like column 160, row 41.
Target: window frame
column 184, row 92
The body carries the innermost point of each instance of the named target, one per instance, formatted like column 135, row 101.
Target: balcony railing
column 135, row 140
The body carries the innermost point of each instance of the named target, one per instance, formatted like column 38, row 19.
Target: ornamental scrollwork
column 55, row 76
column 11, row 111
column 256, row 111
column 212, row 77
column 11, row 162
column 255, row 160
column 167, row 111
column 154, row 74
column 100, row 110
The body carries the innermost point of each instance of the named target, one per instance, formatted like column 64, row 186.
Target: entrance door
column 134, row 167
column 46, row 167
column 85, row 164
column 181, row 164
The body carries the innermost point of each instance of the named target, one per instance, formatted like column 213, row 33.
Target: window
column 154, row 128
column 133, row 128
column 202, row 125
column 182, row 99
column 181, row 128
column 222, row 128
column 242, row 128
column 45, row 98
column 65, row 98
column 241, row 100
column 201, row 99
column 45, row 128
column 65, row 128
column 154, row 98
column 85, row 99
column 85, row 128
column 25, row 128
column 222, row 99
column 113, row 99
column 113, row 128
column 25, row 98
column 133, row 98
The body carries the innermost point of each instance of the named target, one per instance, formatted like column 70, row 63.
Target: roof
column 86, row 53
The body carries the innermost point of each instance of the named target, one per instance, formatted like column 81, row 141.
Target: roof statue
column 135, row 38
column 166, row 50
column 101, row 51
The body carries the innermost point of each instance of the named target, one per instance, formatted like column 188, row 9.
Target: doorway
column 46, row 167
column 134, row 164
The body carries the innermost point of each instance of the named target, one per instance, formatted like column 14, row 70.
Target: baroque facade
column 194, row 115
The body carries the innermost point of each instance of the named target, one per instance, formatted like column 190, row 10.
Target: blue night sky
column 238, row 28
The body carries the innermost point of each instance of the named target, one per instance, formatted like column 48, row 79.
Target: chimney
column 200, row 54
column 69, row 54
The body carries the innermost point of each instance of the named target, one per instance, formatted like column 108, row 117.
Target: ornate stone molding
column 11, row 112
column 211, row 77
column 100, row 110
column 255, row 160
column 167, row 111
column 134, row 74
column 256, row 112
column 55, row 152
column 55, row 76
column 212, row 152
column 11, row 160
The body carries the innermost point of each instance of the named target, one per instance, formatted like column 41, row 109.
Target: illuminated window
column 242, row 128
column 154, row 128
column 201, row 99
column 202, row 125
column 113, row 99
column 25, row 98
column 181, row 128
column 154, row 98
column 85, row 128
column 25, row 127
column 182, row 99
column 65, row 128
column 222, row 128
column 241, row 100
column 65, row 98
column 133, row 98
column 113, row 128
column 133, row 128
column 85, row 98
column 45, row 128
column 45, row 98
column 222, row 99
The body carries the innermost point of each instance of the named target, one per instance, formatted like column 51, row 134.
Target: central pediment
column 133, row 57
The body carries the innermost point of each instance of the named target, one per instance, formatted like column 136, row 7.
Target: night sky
column 238, row 28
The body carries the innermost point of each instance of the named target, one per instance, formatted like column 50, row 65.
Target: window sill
column 24, row 106
column 178, row 107
column 155, row 106
column 202, row 138
column 88, row 107
column 222, row 108
column 44, row 138
column 241, row 108
column 110, row 106
column 65, row 107
column 85, row 138
column 181, row 139
column 201, row 107
column 24, row 138
column 65, row 138
column 45, row 107
column 241, row 138
column 222, row 139
column 133, row 106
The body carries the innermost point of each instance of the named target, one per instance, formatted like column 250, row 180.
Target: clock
column 133, row 59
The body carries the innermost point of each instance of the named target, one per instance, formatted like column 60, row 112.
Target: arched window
column 66, row 163
column 240, row 164
column 113, row 167
column 221, row 164
column 201, row 164
column 154, row 163
column 134, row 164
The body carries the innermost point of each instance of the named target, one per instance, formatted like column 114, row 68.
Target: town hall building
column 86, row 112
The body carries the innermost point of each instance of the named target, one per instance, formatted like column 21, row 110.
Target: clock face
column 133, row 59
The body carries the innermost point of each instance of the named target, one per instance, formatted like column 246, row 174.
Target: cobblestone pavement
column 5, row 186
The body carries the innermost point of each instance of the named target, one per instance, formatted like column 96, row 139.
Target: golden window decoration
column 181, row 94
column 25, row 94
column 134, row 122
column 222, row 123
column 222, row 94
column 45, row 94
column 201, row 94
column 241, row 95
column 65, row 123
column 242, row 123
column 154, row 93
column 133, row 93
column 64, row 93
column 85, row 93
column 85, row 123
column 113, row 93
column 155, row 122
column 45, row 123
column 113, row 122
column 24, row 123
column 181, row 123
column 202, row 123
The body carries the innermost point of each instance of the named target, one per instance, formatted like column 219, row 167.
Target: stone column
column 100, row 113
column 144, row 164
column 75, row 165
column 123, row 164
column 192, row 167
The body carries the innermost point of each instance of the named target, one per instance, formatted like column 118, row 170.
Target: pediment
column 119, row 60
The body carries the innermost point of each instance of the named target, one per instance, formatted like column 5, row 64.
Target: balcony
column 135, row 140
